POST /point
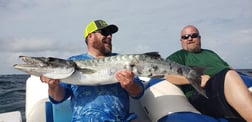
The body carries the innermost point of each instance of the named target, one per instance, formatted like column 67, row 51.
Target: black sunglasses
column 194, row 35
column 103, row 32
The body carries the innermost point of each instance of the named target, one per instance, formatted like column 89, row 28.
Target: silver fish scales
column 101, row 71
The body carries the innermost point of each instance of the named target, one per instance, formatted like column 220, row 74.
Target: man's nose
column 190, row 38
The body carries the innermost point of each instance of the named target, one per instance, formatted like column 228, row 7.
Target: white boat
column 149, row 108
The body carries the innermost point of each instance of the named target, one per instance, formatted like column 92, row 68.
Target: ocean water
column 12, row 92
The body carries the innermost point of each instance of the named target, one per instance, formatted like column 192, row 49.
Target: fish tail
column 194, row 78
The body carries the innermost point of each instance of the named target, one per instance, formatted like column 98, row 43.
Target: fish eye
column 132, row 65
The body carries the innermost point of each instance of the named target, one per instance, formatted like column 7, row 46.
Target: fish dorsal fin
column 153, row 54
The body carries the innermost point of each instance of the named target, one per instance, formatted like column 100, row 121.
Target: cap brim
column 111, row 28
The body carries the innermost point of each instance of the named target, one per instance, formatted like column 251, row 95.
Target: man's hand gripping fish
column 101, row 71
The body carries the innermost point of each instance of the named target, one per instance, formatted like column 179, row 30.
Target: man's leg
column 238, row 95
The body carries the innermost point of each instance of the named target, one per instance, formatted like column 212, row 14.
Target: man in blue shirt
column 98, row 103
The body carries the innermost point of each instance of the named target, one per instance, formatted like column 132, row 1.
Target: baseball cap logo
column 102, row 23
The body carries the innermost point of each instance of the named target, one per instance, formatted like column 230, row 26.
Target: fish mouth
column 31, row 62
column 54, row 68
column 45, row 62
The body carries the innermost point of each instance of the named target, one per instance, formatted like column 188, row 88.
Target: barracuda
column 101, row 71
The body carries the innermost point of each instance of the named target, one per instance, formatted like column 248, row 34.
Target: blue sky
column 55, row 27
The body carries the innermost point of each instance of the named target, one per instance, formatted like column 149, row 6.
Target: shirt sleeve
column 68, row 93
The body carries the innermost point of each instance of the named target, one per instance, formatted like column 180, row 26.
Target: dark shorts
column 216, row 104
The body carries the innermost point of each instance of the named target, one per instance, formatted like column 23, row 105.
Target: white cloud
column 55, row 28
column 27, row 45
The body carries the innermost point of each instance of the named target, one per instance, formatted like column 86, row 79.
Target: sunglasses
column 194, row 35
column 103, row 32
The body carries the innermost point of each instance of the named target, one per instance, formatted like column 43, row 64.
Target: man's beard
column 103, row 49
column 194, row 50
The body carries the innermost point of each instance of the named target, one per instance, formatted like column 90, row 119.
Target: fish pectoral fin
column 87, row 71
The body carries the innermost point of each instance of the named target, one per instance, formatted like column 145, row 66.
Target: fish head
column 50, row 67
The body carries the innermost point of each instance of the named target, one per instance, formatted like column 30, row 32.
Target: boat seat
column 13, row 116
column 58, row 112
column 247, row 79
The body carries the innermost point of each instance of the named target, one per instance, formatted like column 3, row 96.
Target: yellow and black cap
column 99, row 25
